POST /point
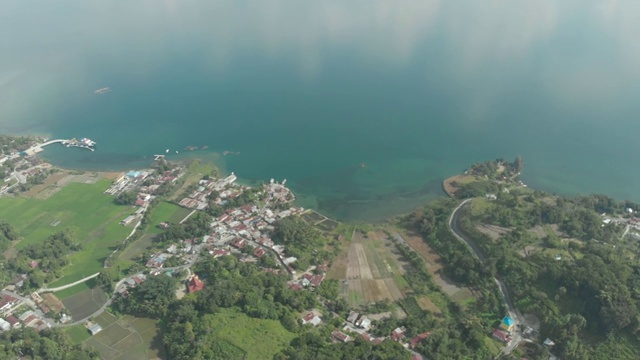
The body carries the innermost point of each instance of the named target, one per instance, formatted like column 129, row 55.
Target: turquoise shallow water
column 363, row 106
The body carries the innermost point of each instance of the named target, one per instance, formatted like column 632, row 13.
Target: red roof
column 11, row 320
column 259, row 252
column 308, row 317
column 316, row 280
column 195, row 284
column 220, row 252
column 397, row 334
column 501, row 335
column 295, row 287
column 416, row 340
column 8, row 298
column 238, row 243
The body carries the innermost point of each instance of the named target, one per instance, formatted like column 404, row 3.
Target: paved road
column 68, row 285
column 513, row 313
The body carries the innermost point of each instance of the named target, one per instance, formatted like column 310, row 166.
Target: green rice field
column 82, row 208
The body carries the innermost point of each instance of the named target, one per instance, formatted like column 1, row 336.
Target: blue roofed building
column 507, row 323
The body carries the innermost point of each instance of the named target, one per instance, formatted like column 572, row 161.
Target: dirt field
column 85, row 303
column 57, row 181
column 426, row 304
column 493, row 231
column 434, row 265
column 448, row 186
column 367, row 273
column 50, row 181
column 52, row 302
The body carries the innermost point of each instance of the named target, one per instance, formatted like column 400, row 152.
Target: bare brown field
column 48, row 182
column 52, row 302
column 369, row 277
column 57, row 181
column 448, row 184
column 495, row 232
column 434, row 266
column 426, row 304
column 338, row 268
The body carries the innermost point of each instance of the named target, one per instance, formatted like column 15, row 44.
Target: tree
column 151, row 298
column 105, row 280
column 126, row 198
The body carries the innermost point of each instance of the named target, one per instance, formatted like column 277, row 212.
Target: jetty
column 83, row 143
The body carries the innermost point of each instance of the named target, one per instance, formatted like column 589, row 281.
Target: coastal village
column 240, row 230
column 243, row 232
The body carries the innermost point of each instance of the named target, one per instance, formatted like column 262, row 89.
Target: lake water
column 363, row 106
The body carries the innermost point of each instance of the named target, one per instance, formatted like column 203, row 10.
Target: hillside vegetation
column 561, row 261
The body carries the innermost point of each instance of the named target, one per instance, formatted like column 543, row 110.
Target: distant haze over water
column 364, row 106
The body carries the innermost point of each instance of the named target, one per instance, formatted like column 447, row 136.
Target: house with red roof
column 238, row 243
column 195, row 284
column 13, row 321
column 259, row 252
column 416, row 340
column 220, row 252
column 501, row 335
column 340, row 336
column 295, row 287
column 398, row 333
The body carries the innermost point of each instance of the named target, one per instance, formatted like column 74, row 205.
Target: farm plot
column 80, row 207
column 127, row 338
column 368, row 276
column 52, row 302
column 434, row 266
column 85, row 303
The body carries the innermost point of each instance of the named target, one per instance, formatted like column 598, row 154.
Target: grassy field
column 165, row 211
column 127, row 338
column 197, row 169
column 85, row 302
column 67, row 293
column 257, row 338
column 85, row 210
column 77, row 333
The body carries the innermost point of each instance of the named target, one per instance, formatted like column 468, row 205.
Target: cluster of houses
column 142, row 203
column 129, row 283
column 146, row 183
column 23, row 168
column 359, row 325
column 13, row 316
column 311, row 279
column 199, row 199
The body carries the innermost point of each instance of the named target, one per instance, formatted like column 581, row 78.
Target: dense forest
column 47, row 345
column 562, row 263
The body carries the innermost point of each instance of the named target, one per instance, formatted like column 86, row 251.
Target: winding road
column 475, row 250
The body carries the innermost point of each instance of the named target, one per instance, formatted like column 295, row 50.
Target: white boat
column 102, row 90
column 166, row 151
column 176, row 151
